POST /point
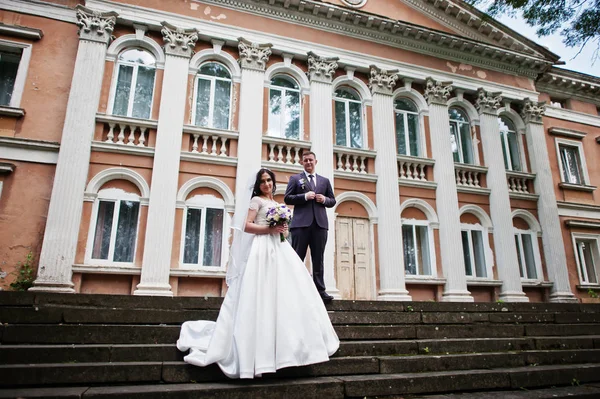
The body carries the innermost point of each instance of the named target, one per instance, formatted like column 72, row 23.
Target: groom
column 310, row 194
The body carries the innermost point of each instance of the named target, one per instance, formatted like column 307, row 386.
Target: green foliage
column 592, row 293
column 578, row 21
column 426, row 349
column 575, row 382
column 410, row 308
column 25, row 275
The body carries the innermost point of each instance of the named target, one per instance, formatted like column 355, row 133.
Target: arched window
column 348, row 118
column 528, row 250
column 115, row 224
column 417, row 247
column 203, row 227
column 407, row 127
column 460, row 134
column 474, row 243
column 284, row 107
column 510, row 144
column 134, row 89
column 212, row 96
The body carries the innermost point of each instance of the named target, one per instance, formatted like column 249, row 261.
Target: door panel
column 344, row 257
column 362, row 277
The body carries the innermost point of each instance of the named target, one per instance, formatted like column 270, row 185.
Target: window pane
column 454, row 143
column 570, row 161
column 103, row 230
column 518, row 244
column 9, row 65
column 214, row 69
column 479, row 253
column 586, row 260
column 340, row 123
column 137, row 56
column 348, row 93
column 126, row 231
column 410, row 259
column 356, row 139
column 284, row 81
column 465, row 143
column 202, row 102
column 213, row 237
column 123, row 90
column 413, row 134
column 513, row 147
column 467, row 253
column 503, row 144
column 222, row 104
column 405, row 105
column 400, row 138
column 192, row 236
column 529, row 258
column 142, row 102
column 275, row 112
column 423, row 250
column 457, row 115
column 292, row 115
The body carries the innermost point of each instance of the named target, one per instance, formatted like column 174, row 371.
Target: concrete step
column 582, row 391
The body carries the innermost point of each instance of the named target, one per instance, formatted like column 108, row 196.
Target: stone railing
column 285, row 152
column 353, row 160
column 126, row 131
column 469, row 176
column 414, row 169
column 207, row 142
column 520, row 182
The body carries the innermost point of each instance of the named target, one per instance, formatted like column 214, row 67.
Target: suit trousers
column 314, row 237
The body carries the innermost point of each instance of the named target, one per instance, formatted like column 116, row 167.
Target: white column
column 391, row 262
column 554, row 249
column 156, row 264
column 66, row 203
column 320, row 72
column 253, row 59
column 500, row 210
column 453, row 263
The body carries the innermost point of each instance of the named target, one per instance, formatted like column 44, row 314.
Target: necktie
column 311, row 182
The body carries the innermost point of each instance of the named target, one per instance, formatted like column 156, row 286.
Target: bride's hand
column 280, row 228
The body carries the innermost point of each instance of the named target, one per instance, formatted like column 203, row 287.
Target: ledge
column 197, row 273
column 473, row 190
column 484, row 283
column 21, row 31
column 125, row 120
column 108, row 269
column 205, row 158
column 585, row 287
column 424, row 280
column 6, row 168
column 207, row 131
column 573, row 134
column 12, row 111
column 583, row 224
column 577, row 187
column 355, row 176
column 536, row 284
column 417, row 183
column 523, row 196
column 101, row 146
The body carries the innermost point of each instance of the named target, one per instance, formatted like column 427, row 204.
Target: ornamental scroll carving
column 253, row 55
column 488, row 102
column 179, row 41
column 437, row 92
column 321, row 69
column 94, row 25
column 382, row 81
column 533, row 111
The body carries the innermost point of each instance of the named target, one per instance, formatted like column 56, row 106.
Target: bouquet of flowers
column 279, row 215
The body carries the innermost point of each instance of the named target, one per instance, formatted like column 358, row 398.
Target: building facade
column 463, row 160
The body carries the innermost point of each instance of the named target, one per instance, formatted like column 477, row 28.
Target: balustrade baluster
column 121, row 135
column 131, row 138
column 223, row 152
column 339, row 157
column 204, row 144
column 142, row 139
column 111, row 133
column 195, row 143
column 280, row 154
column 363, row 168
column 213, row 150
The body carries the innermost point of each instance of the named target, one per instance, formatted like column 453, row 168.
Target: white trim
column 571, row 209
column 568, row 133
column 210, row 182
column 280, row 133
column 424, row 207
column 422, row 110
column 536, row 254
column 431, row 245
column 583, row 165
column 211, row 98
column 45, row 10
column 222, row 57
column 415, row 96
column 527, row 216
column 356, row 84
column 483, row 217
column 106, row 175
column 130, row 41
column 21, row 31
column 595, row 254
column 281, row 68
column 488, row 256
column 583, row 224
column 467, row 107
column 28, row 150
column 520, row 128
column 572, row 116
column 362, row 199
column 460, row 102
column 363, row 119
column 19, row 86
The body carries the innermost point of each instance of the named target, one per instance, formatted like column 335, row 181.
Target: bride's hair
column 256, row 191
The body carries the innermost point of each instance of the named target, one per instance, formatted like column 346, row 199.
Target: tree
column 577, row 20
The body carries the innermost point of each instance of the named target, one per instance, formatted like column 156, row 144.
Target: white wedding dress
column 272, row 316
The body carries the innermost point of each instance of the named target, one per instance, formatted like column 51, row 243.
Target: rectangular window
column 571, row 164
column 525, row 255
column 114, row 238
column 203, row 236
column 474, row 253
column 587, row 257
column 416, row 250
column 9, row 66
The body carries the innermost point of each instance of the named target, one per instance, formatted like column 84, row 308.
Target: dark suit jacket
column 307, row 211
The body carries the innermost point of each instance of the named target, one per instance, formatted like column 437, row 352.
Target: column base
column 52, row 286
column 513, row 296
column 394, row 295
column 153, row 290
column 563, row 297
column 457, row 296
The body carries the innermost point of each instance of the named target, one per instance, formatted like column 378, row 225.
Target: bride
column 272, row 315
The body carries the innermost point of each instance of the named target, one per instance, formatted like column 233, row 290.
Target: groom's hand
column 320, row 198
column 310, row 195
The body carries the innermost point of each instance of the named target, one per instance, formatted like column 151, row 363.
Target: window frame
column 280, row 133
column 418, row 135
column 213, row 85
column 487, row 250
column 458, row 137
column 346, row 102
column 115, row 195
column 204, row 202
column 536, row 253
column 22, row 70
column 430, row 243
column 595, row 254
column 559, row 142
column 115, row 77
column 506, row 146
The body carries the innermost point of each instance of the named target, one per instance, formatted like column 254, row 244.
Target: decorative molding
column 483, row 282
column 122, row 270
column 416, row 183
column 424, row 207
column 179, row 42
column 321, row 69
column 206, row 181
column 583, row 224
column 437, row 92
column 132, row 40
column 12, row 111
column 354, row 3
column 6, row 168
column 572, row 116
column 53, row 11
column 21, row 31
column 117, row 173
column 533, row 111
column 577, row 187
column 28, row 150
column 355, row 176
column 95, row 25
column 219, row 273
column 223, row 57
column 362, row 199
column 101, row 146
column 573, row 84
column 424, row 280
column 572, row 134
column 253, row 55
column 571, row 209
column 382, row 81
column 488, row 102
column 202, row 158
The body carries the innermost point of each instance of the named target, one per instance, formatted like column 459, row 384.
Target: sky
column 580, row 63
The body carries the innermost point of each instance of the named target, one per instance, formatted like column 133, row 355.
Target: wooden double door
column 353, row 260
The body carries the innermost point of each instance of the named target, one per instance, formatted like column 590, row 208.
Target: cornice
column 570, row 84
column 41, row 9
column 573, row 116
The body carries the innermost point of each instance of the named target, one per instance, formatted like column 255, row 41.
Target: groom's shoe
column 326, row 298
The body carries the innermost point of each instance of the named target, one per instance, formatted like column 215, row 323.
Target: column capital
column 94, row 25
column 488, row 102
column 533, row 111
column 321, row 69
column 437, row 92
column 382, row 81
column 253, row 55
column 179, row 42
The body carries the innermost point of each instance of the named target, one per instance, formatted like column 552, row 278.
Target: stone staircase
column 105, row 346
